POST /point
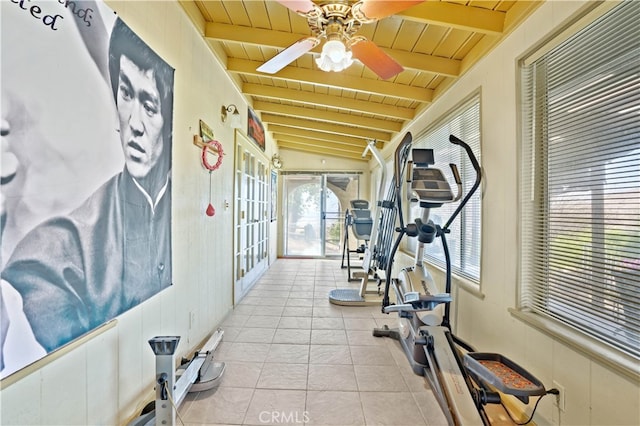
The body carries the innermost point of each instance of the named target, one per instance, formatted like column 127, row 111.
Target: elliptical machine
column 463, row 381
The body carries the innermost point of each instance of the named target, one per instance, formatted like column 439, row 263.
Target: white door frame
column 251, row 215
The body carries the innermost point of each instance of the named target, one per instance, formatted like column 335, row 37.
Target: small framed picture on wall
column 255, row 129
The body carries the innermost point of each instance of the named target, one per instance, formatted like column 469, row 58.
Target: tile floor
column 292, row 358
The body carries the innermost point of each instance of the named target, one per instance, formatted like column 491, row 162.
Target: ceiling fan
column 338, row 21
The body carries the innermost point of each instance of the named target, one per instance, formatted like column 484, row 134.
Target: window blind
column 465, row 237
column 580, row 182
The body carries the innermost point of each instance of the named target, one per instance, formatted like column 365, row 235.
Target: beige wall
column 108, row 379
column 296, row 160
column 306, row 162
column 594, row 393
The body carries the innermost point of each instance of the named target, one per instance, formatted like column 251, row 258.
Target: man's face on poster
column 140, row 118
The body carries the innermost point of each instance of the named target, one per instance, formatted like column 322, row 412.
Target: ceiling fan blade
column 298, row 6
column 377, row 9
column 374, row 58
column 288, row 55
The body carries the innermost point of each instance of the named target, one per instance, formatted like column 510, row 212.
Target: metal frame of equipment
column 363, row 296
column 171, row 385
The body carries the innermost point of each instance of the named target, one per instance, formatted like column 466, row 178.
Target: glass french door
column 314, row 207
column 251, row 221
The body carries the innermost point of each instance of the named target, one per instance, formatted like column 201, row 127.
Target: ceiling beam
column 323, row 144
column 281, row 130
column 468, row 18
column 281, row 40
column 321, row 150
column 256, row 36
column 359, row 147
column 326, row 127
column 320, row 99
column 423, row 63
column 335, row 80
column 328, row 116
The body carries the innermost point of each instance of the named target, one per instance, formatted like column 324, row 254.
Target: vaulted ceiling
column 337, row 113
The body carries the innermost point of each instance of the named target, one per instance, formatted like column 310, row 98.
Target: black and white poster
column 85, row 200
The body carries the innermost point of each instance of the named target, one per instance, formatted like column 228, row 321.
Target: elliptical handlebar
column 474, row 161
column 399, row 162
column 456, row 177
column 476, row 166
column 400, row 158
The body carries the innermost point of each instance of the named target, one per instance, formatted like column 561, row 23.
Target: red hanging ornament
column 210, row 210
column 216, row 147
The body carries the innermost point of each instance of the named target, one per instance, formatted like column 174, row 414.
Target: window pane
column 581, row 181
column 465, row 237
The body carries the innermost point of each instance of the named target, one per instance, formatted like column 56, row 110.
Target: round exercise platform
column 351, row 297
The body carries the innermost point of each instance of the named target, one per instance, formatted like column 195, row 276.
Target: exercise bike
column 463, row 381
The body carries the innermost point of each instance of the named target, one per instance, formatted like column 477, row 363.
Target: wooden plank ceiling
column 336, row 113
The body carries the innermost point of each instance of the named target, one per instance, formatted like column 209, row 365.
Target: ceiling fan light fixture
column 334, row 56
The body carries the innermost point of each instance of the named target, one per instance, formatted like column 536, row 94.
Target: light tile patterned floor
column 295, row 359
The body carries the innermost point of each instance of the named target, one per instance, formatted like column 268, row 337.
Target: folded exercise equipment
column 172, row 386
column 375, row 253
